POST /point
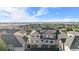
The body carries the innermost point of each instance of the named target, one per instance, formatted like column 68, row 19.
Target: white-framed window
column 51, row 41
column 42, row 40
column 47, row 35
column 70, row 36
column 37, row 36
column 46, row 41
column 34, row 41
column 51, row 36
column 32, row 36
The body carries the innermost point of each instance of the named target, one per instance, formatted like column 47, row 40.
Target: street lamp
column 63, row 40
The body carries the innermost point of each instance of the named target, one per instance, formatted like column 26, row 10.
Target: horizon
column 23, row 23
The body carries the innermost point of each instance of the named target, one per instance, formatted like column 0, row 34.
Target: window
column 46, row 41
column 36, row 41
column 70, row 36
column 46, row 35
column 51, row 36
column 37, row 36
column 42, row 40
column 51, row 41
column 32, row 36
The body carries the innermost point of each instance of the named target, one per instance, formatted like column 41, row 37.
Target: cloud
column 15, row 15
column 41, row 11
column 19, row 15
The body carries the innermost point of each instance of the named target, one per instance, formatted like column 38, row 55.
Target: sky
column 39, row 14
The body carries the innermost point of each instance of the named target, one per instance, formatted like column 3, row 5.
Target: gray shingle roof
column 8, row 30
column 75, row 43
column 11, row 40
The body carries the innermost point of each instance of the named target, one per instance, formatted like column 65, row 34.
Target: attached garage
column 34, row 46
column 44, row 46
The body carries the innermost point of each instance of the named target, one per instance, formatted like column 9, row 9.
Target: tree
column 69, row 29
column 3, row 46
column 57, row 33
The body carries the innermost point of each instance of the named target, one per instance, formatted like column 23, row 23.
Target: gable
column 34, row 33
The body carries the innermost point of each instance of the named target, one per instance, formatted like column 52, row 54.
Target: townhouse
column 72, row 41
column 44, row 38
